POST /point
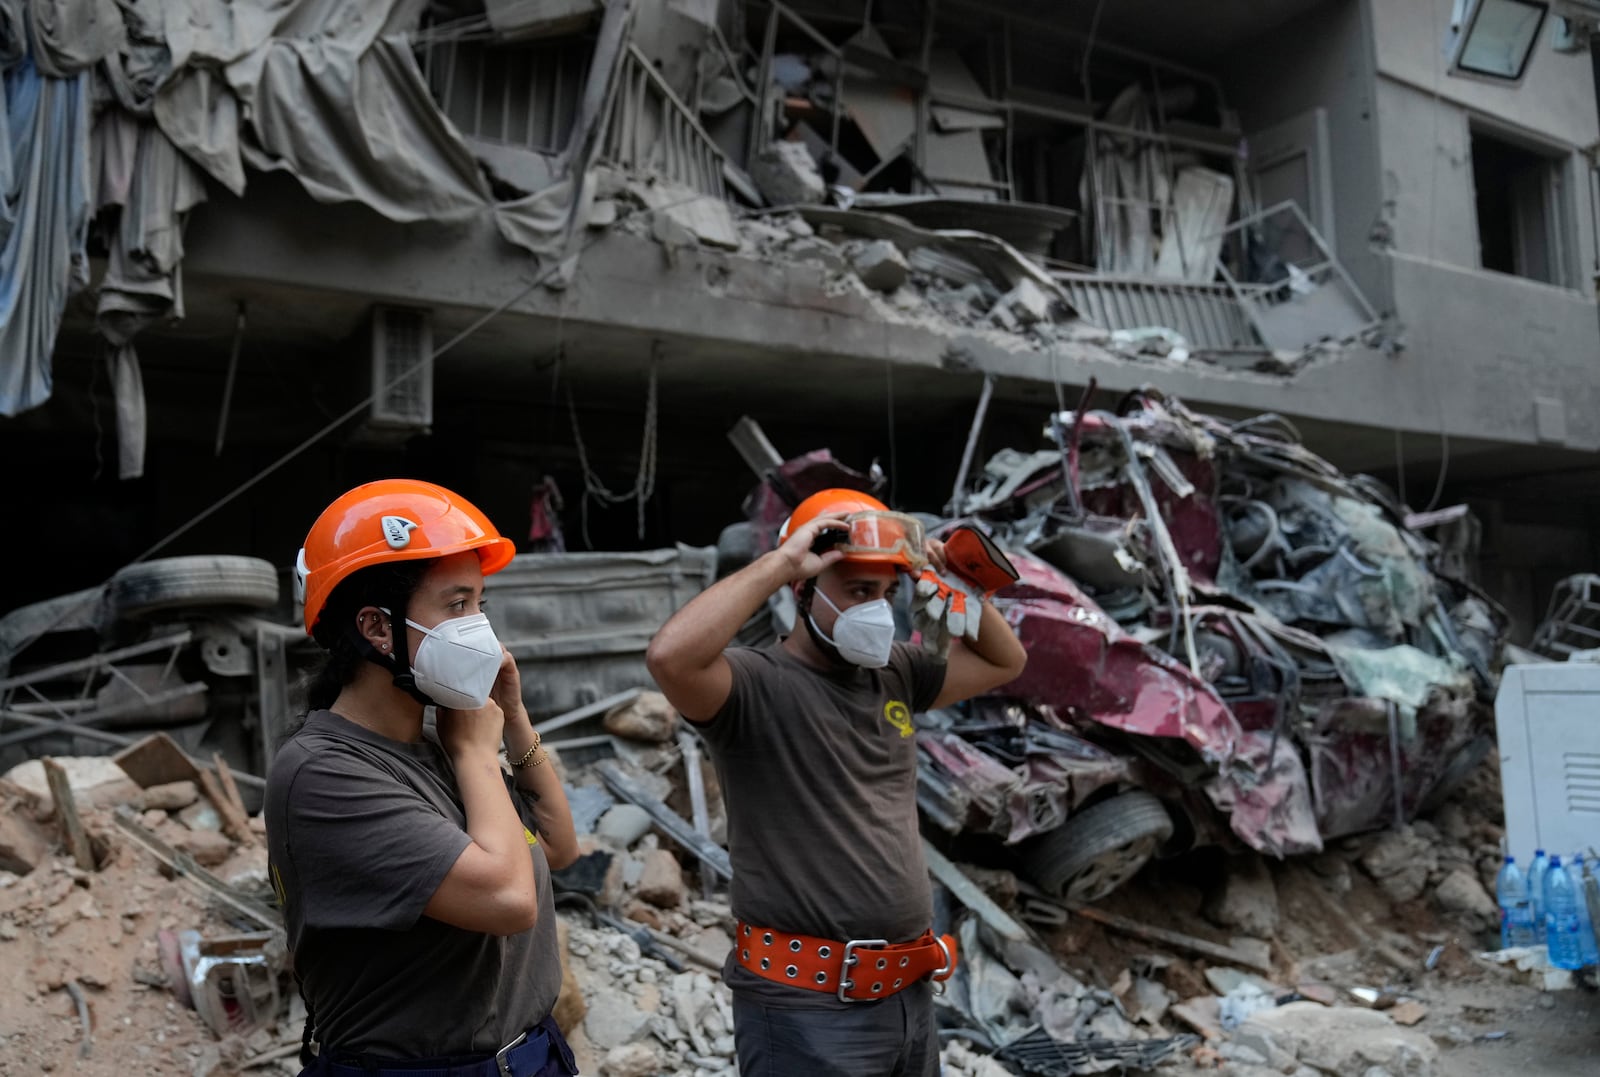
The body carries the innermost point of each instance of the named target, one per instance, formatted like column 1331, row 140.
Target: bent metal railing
column 1209, row 316
column 649, row 129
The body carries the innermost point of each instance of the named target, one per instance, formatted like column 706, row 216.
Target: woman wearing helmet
column 414, row 875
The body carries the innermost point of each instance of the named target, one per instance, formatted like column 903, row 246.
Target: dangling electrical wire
column 644, row 483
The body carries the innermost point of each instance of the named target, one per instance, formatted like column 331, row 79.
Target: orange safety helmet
column 876, row 534
column 391, row 520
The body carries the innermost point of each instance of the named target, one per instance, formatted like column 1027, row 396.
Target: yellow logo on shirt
column 533, row 839
column 898, row 715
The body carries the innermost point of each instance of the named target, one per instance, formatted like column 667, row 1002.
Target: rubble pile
column 1354, row 957
column 92, row 971
column 947, row 280
column 1221, row 600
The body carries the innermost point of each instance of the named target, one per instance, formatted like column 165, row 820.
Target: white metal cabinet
column 1548, row 721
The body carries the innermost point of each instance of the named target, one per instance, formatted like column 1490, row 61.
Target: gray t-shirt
column 361, row 830
column 819, row 774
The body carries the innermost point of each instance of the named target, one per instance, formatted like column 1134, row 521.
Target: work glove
column 950, row 605
column 945, row 607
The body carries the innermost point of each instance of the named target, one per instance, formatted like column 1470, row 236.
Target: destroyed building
column 622, row 225
column 550, row 251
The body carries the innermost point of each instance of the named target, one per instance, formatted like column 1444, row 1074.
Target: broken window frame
column 1555, row 208
column 1256, row 299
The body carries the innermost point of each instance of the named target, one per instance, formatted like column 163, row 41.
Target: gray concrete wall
column 1556, row 99
column 1487, row 346
column 1488, row 343
column 1323, row 59
column 750, row 326
column 1426, row 152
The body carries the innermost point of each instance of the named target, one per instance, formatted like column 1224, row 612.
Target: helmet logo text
column 397, row 531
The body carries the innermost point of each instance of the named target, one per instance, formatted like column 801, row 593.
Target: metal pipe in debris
column 976, row 429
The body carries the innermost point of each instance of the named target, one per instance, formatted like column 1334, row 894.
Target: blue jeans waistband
column 541, row 1052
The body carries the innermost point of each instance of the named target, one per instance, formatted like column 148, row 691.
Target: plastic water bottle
column 1589, row 896
column 1587, row 947
column 1561, row 918
column 1516, row 907
column 1536, row 875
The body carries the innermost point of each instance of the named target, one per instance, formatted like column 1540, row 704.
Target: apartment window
column 1520, row 209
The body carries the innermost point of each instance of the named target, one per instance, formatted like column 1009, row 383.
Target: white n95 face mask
column 864, row 634
column 457, row 661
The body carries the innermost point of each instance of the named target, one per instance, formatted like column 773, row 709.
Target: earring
column 386, row 646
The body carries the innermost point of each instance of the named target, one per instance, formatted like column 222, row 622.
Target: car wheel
column 1099, row 848
column 736, row 548
column 206, row 580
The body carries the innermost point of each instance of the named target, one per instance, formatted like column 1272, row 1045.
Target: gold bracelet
column 526, row 756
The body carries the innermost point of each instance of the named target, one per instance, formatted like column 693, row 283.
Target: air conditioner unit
column 402, row 368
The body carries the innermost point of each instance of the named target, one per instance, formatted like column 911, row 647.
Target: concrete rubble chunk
column 649, row 718
column 96, row 782
column 1257, row 950
column 880, row 265
column 173, row 796
column 1461, row 893
column 1247, row 899
column 661, row 882
column 786, row 175
column 681, row 217
column 817, row 251
column 1241, row 1054
column 1150, row 1001
column 1400, row 861
column 712, row 943
column 615, row 1018
column 208, row 847
column 1266, row 1046
column 1347, row 1040
column 23, row 844
column 201, row 815
column 641, row 913
column 631, row 1060
column 623, row 824
column 1027, row 302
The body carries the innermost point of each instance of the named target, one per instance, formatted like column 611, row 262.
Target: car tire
column 737, row 546
column 1099, row 848
column 205, row 580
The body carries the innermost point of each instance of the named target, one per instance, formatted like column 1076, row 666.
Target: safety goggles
column 879, row 536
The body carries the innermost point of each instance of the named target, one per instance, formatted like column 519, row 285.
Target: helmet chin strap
column 398, row 662
column 825, row 645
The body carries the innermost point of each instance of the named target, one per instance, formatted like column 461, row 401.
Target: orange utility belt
column 856, row 971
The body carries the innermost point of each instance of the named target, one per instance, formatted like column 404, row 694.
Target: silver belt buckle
column 945, row 970
column 500, row 1055
column 845, row 983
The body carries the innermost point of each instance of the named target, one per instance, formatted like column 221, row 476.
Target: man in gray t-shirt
column 812, row 739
